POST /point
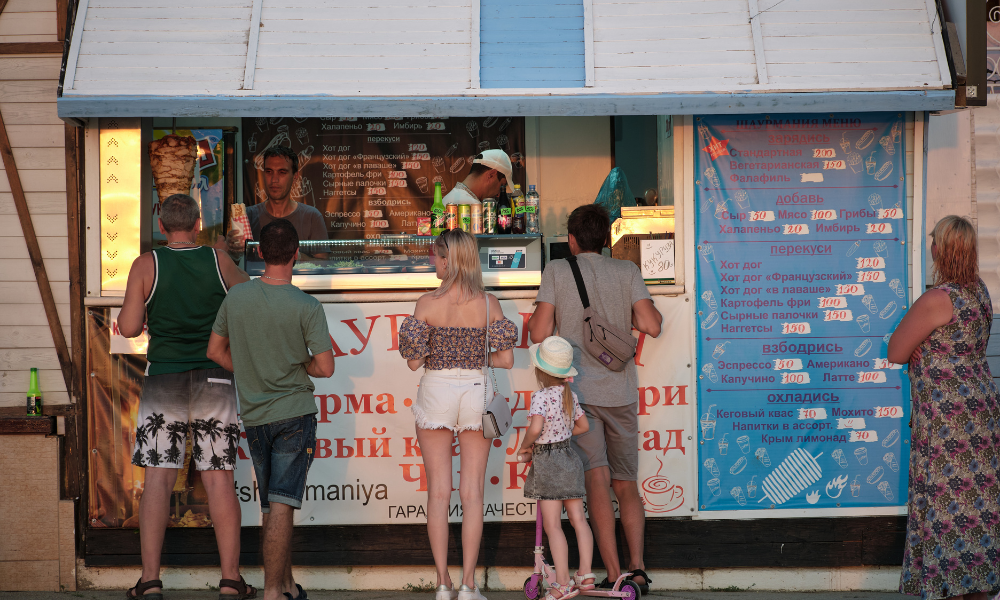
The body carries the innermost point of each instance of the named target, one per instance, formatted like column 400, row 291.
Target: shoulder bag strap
column 487, row 369
column 584, row 298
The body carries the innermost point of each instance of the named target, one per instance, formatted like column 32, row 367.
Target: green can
column 464, row 217
column 490, row 216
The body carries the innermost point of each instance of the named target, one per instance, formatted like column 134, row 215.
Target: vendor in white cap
column 491, row 171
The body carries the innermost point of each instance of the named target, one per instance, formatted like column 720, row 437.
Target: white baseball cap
column 496, row 159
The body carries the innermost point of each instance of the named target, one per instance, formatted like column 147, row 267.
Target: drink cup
column 714, row 485
column 855, row 487
column 862, row 455
column 252, row 142
column 752, row 488
column 720, row 349
column 708, row 424
column 723, row 445
column 863, row 323
column 422, row 184
column 744, row 442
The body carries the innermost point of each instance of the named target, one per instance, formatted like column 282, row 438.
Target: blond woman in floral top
column 953, row 525
column 446, row 336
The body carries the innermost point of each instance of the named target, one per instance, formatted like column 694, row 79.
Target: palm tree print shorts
column 201, row 403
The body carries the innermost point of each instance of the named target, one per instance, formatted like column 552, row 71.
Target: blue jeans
column 282, row 453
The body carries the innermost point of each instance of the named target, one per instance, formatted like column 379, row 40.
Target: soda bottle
column 518, row 203
column 34, row 395
column 505, row 213
column 531, row 211
column 438, row 219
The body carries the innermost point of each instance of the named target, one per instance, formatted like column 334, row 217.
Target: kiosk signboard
column 801, row 228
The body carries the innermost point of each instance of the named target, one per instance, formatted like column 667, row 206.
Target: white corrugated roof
column 314, row 52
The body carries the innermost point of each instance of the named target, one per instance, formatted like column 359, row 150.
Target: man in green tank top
column 176, row 291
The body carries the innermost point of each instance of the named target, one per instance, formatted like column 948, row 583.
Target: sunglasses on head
column 431, row 252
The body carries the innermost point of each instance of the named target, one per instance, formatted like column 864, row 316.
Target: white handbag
column 496, row 417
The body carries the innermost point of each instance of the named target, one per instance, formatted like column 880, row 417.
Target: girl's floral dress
column 953, row 527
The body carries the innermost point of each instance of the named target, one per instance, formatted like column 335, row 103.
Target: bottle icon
column 438, row 223
column 34, row 403
column 531, row 211
column 519, row 204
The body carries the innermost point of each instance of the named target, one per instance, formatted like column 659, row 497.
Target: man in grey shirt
column 610, row 450
column 280, row 166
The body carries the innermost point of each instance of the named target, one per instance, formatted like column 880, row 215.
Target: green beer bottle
column 438, row 222
column 34, row 395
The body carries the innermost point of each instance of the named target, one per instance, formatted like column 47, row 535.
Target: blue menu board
column 801, row 277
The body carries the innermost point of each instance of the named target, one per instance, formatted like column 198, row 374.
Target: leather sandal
column 244, row 591
column 140, row 588
column 643, row 587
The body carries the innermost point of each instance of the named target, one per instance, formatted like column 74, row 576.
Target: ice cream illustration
column 890, row 460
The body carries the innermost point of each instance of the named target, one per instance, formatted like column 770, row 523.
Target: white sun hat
column 553, row 356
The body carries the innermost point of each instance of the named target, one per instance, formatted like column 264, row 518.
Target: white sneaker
column 445, row 593
column 467, row 593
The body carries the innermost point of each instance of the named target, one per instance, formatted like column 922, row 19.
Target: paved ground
column 388, row 595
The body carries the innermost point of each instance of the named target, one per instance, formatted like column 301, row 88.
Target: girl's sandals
column 139, row 590
column 244, row 591
column 565, row 592
column 581, row 581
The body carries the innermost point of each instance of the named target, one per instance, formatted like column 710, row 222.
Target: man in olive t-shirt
column 273, row 337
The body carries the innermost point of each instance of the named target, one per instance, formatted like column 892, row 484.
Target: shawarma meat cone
column 172, row 160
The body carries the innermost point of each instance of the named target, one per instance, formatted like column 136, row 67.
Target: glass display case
column 402, row 262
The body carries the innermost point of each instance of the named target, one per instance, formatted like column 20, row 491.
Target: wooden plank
column 293, row 41
column 35, row 253
column 837, row 43
column 173, row 48
column 31, row 48
column 707, row 544
column 862, row 57
column 358, row 64
column 17, row 400
column 27, row 425
column 30, row 314
column 31, row 113
column 62, row 14
column 189, row 78
column 74, row 48
column 926, row 70
column 604, row 8
column 13, row 247
column 41, row 158
column 21, row 68
column 675, row 59
column 475, row 45
column 152, row 61
column 33, row 136
column 14, row 293
column 13, row 269
column 14, row 373
column 90, row 38
column 39, row 203
column 15, row 6
column 758, row 42
column 339, row 76
column 43, row 90
column 140, row 14
column 28, row 23
column 820, row 30
column 36, row 181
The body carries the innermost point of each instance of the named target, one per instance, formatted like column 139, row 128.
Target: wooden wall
column 28, row 84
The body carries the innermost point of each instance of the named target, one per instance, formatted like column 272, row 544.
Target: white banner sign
column 368, row 467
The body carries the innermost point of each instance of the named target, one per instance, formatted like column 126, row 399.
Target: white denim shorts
column 450, row 399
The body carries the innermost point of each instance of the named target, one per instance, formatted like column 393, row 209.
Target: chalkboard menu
column 371, row 177
column 801, row 223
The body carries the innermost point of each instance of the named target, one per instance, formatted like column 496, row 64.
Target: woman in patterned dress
column 953, row 525
column 446, row 336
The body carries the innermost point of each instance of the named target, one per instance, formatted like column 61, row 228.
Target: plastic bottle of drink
column 518, row 202
column 34, row 395
column 438, row 222
column 531, row 211
column 505, row 213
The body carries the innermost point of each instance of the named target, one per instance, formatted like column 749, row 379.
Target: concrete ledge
column 419, row 578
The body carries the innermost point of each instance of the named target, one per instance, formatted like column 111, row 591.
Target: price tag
column 506, row 258
column 656, row 259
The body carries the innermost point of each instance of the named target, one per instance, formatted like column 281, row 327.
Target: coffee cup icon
column 659, row 495
column 715, row 486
